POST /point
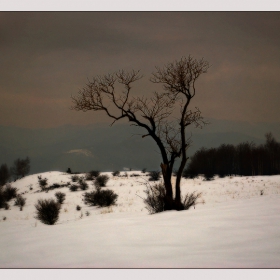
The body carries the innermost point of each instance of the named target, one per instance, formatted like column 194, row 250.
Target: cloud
column 84, row 152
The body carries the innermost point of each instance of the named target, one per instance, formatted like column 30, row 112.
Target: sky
column 48, row 56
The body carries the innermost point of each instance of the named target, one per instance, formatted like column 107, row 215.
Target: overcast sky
column 45, row 57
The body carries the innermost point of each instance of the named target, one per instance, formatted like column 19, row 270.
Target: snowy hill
column 232, row 226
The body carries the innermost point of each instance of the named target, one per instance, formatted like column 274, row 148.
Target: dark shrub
column 73, row 188
column 75, row 178
column 134, row 175
column 20, row 201
column 83, row 184
column 81, row 179
column 60, row 197
column 92, row 174
column 6, row 194
column 208, row 176
column 7, row 206
column 144, row 170
column 222, row 175
column 101, row 198
column 78, row 208
column 189, row 174
column 47, row 211
column 116, row 173
column 154, row 175
column 2, row 199
column 69, row 171
column 43, row 182
column 9, row 192
column 155, row 200
column 54, row 186
column 101, row 181
column 88, row 177
column 190, row 200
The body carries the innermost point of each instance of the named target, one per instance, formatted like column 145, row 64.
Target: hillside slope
column 232, row 226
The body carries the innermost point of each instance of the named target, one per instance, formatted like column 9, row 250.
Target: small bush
column 10, row 192
column 83, row 184
column 134, row 175
column 43, row 182
column 190, row 200
column 54, row 186
column 47, row 211
column 189, row 174
column 209, row 176
column 92, row 175
column 73, row 188
column 2, row 199
column 154, row 175
column 144, row 170
column 156, row 197
column 222, row 175
column 261, row 193
column 7, row 206
column 155, row 200
column 75, row 178
column 87, row 213
column 116, row 173
column 101, row 181
column 6, row 194
column 20, row 201
column 101, row 198
column 78, row 208
column 69, row 171
column 60, row 197
column 81, row 179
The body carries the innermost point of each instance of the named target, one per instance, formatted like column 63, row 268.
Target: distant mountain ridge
column 112, row 148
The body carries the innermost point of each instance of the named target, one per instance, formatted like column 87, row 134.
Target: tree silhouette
column 245, row 159
column 164, row 116
column 20, row 168
column 4, row 174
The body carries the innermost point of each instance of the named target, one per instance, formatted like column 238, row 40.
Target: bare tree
column 164, row 116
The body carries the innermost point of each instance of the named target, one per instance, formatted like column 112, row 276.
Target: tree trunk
column 178, row 203
column 166, row 173
column 170, row 203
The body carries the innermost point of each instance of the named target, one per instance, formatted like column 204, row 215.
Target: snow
column 233, row 226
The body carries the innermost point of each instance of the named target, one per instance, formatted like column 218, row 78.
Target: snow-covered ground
column 233, row 226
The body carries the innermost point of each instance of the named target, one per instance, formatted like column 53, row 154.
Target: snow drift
column 233, row 226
